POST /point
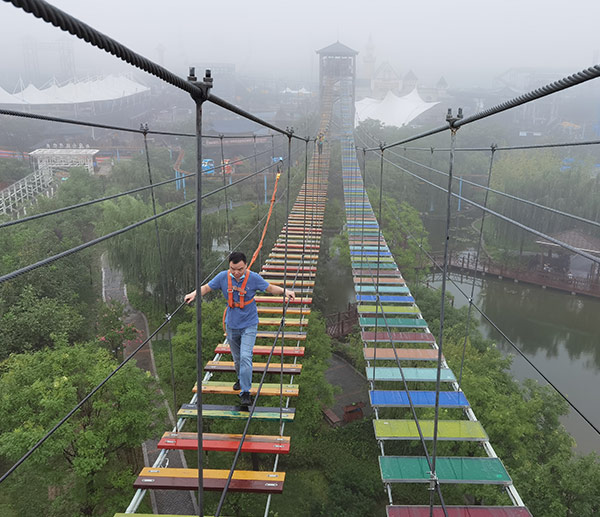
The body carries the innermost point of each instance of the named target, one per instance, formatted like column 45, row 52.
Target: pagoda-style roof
column 337, row 49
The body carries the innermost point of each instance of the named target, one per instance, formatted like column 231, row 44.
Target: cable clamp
column 168, row 316
column 433, row 481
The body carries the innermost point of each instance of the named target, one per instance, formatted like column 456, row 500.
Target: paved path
column 354, row 386
column 163, row 501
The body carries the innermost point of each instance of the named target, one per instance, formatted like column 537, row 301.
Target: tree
column 84, row 467
column 32, row 321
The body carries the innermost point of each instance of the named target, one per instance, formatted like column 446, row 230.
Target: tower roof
column 337, row 49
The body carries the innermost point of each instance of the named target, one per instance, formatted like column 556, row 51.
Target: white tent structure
column 106, row 89
column 7, row 98
column 392, row 110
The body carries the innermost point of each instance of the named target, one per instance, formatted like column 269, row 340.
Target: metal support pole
column 433, row 476
column 203, row 93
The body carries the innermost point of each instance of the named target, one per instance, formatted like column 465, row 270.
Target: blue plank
column 392, row 398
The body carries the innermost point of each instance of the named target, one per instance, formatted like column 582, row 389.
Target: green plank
column 392, row 374
column 393, row 322
column 388, row 309
column 459, row 430
column 411, row 469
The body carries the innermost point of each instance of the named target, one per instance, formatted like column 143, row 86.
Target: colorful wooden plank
column 229, row 366
column 456, row 430
column 392, row 374
column 404, row 354
column 383, row 323
column 280, row 300
column 384, row 298
column 289, row 322
column 412, row 469
column 388, row 309
column 268, row 389
column 187, row 479
column 288, row 351
column 395, row 290
column 458, row 511
column 237, row 412
column 419, row 398
column 398, row 337
column 271, row 334
column 226, row 442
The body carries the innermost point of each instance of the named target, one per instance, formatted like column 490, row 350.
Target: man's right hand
column 190, row 297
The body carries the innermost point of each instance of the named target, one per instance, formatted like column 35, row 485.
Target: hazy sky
column 467, row 41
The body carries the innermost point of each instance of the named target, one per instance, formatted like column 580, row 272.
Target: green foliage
column 12, row 170
column 87, row 453
column 539, row 177
column 33, row 323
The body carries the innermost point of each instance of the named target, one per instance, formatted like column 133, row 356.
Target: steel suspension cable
column 512, row 147
column 87, row 203
column 479, row 246
column 487, row 188
column 97, row 240
column 442, row 315
column 132, row 191
column 554, row 87
column 562, row 244
column 162, row 265
column 503, row 334
column 48, row 118
column 70, row 24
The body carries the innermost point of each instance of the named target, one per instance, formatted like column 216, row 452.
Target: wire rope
column 504, row 335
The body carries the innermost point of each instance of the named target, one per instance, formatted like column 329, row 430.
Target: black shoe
column 245, row 399
column 236, row 386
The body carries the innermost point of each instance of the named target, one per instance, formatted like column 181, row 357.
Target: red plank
column 459, row 511
column 226, row 442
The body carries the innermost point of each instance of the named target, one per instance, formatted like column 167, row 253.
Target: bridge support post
column 199, row 98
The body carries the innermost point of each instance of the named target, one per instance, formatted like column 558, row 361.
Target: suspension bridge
column 393, row 331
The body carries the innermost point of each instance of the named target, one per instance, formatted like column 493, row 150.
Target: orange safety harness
column 242, row 289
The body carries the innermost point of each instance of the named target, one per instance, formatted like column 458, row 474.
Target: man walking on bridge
column 239, row 285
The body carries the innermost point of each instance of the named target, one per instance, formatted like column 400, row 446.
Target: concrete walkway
column 353, row 384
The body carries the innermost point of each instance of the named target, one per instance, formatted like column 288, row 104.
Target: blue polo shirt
column 238, row 318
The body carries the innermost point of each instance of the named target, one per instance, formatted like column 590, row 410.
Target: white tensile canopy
column 97, row 90
column 392, row 110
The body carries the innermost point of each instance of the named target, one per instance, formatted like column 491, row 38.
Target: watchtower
column 337, row 62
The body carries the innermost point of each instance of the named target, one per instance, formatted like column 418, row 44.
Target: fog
column 469, row 42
